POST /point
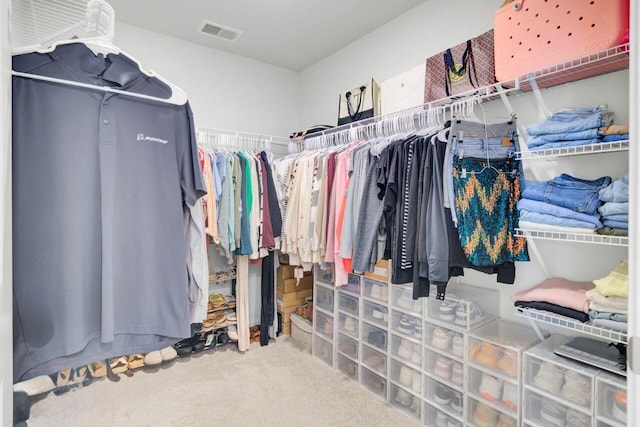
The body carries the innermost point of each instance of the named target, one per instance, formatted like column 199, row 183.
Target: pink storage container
column 534, row 34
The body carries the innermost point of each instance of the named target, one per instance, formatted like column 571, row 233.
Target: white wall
column 430, row 28
column 225, row 91
column 6, row 297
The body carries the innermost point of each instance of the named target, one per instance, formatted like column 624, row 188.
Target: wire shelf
column 604, row 147
column 572, row 324
column 574, row 237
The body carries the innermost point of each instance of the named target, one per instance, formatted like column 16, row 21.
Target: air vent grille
column 220, row 31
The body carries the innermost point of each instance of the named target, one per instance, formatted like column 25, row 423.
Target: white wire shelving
column 604, row 147
column 574, row 237
column 554, row 319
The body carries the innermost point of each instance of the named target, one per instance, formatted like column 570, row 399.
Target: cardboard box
column 292, row 299
column 291, row 285
column 381, row 271
column 287, row 312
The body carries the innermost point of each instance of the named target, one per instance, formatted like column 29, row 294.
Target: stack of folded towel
column 570, row 128
column 608, row 302
column 615, row 210
column 564, row 203
column 557, row 295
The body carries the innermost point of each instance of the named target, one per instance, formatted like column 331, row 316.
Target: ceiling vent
column 220, row 31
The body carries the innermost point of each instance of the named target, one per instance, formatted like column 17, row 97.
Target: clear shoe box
column 376, row 313
column 324, row 276
column 497, row 348
column 547, row 411
column 375, row 290
column 353, row 285
column 483, row 414
column 323, row 298
column 405, row 401
column 444, row 398
column 348, row 304
column 407, row 325
column 323, row 350
column 408, row 351
column 570, row 382
column 500, row 393
column 347, row 366
column 449, row 342
column 465, row 307
column 436, row 417
column 348, row 324
column 374, row 383
column 402, row 299
column 347, row 346
column 375, row 337
column 444, row 369
column 611, row 397
column 323, row 325
column 405, row 376
column 374, row 360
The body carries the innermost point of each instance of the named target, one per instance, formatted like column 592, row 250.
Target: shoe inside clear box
column 465, row 307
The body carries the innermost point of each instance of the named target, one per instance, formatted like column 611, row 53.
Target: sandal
column 63, row 377
column 135, row 361
column 118, row 364
column 78, row 375
column 208, row 325
column 97, row 369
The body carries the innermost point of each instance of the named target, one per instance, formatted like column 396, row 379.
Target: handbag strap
column 449, row 64
column 355, row 116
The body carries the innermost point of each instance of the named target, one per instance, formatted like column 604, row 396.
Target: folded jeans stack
column 565, row 201
column 570, row 128
column 615, row 210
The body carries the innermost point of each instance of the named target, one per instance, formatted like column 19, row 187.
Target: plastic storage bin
column 323, row 298
column 323, row 325
column 375, row 289
column 446, row 341
column 402, row 299
column 434, row 416
column 444, row 398
column 406, row 325
column 405, row 401
column 323, row 350
column 542, row 410
column 406, row 376
column 347, row 346
column 324, row 276
column 482, row 414
column 406, row 350
column 348, row 304
column 611, row 407
column 570, row 382
column 375, row 313
column 374, row 359
column 444, row 369
column 353, row 285
column 497, row 348
column 375, row 336
column 374, row 383
column 348, row 324
column 534, row 34
column 502, row 394
column 347, row 366
column 465, row 307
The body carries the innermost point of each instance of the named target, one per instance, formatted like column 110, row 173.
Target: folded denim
column 613, row 138
column 566, row 136
column 617, row 191
column 615, row 224
column 536, row 206
column 573, row 120
column 554, row 220
column 564, row 144
column 614, row 208
column 616, row 217
column 569, row 192
column 528, row 225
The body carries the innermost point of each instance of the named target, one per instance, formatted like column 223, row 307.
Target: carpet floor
column 276, row 385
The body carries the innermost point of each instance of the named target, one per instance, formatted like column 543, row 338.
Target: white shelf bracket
column 533, row 247
column 542, row 107
column 537, row 329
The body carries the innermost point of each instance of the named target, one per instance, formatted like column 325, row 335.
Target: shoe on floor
column 153, row 358
column 118, row 364
column 168, row 353
column 36, row 385
column 233, row 333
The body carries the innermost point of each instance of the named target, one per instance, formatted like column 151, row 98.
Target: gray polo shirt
column 99, row 181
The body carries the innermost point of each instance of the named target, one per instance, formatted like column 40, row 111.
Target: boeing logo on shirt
column 143, row 137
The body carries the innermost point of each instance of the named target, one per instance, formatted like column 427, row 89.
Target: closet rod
column 274, row 139
column 93, row 87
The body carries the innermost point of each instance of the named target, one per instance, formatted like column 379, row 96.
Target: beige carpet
column 276, row 385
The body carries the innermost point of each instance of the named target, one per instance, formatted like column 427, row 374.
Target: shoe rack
column 324, row 309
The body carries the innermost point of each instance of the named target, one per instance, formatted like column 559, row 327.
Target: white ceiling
column 293, row 34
